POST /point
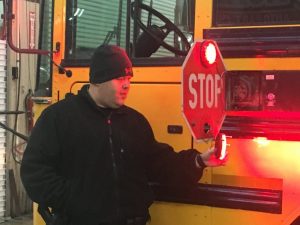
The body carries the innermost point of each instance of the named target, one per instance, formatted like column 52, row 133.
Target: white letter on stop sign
column 209, row 89
column 193, row 79
column 217, row 88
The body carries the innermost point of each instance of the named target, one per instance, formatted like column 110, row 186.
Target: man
column 90, row 157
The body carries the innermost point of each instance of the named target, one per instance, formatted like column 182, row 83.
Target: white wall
column 18, row 202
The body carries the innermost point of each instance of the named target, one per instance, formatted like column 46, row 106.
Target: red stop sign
column 203, row 98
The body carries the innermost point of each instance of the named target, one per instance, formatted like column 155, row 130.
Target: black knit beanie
column 109, row 62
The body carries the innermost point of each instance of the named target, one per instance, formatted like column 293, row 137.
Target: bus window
column 43, row 78
column 91, row 23
column 161, row 28
column 95, row 22
column 255, row 13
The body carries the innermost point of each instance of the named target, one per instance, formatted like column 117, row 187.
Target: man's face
column 111, row 94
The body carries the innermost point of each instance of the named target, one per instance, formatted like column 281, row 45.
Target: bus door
column 259, row 41
column 157, row 35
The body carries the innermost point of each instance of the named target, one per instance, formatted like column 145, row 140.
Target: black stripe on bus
column 261, row 200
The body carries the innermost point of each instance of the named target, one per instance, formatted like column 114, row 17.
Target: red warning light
column 208, row 53
column 220, row 145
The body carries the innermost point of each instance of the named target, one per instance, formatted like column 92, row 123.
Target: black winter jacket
column 94, row 164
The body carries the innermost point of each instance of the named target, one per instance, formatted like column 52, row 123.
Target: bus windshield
column 96, row 22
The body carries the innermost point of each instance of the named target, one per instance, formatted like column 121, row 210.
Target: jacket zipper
column 114, row 164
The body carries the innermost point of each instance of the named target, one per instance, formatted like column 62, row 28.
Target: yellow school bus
column 260, row 44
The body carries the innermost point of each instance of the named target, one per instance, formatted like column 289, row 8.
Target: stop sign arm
column 203, row 92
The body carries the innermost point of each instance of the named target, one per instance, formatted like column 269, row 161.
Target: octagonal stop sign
column 203, row 97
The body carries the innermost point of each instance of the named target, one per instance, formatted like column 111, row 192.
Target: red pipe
column 9, row 17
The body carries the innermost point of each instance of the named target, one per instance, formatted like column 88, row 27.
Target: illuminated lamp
column 261, row 141
column 208, row 53
column 220, row 145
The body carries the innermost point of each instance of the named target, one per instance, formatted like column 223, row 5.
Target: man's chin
column 118, row 105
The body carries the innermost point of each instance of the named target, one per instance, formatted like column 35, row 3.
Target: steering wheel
column 159, row 33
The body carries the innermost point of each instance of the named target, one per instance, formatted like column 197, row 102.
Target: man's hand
column 209, row 158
